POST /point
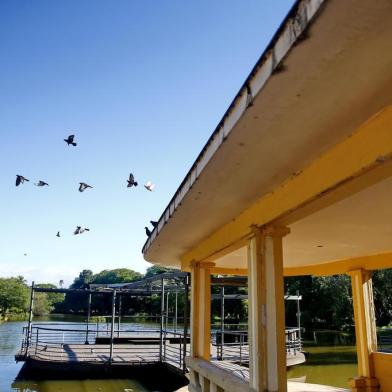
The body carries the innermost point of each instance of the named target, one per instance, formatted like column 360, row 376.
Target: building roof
column 325, row 72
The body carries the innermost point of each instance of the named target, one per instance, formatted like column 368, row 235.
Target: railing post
column 186, row 294
column 88, row 316
column 299, row 321
column 162, row 317
column 166, row 324
column 30, row 318
column 175, row 312
column 119, row 315
column 36, row 341
column 112, row 326
column 222, row 319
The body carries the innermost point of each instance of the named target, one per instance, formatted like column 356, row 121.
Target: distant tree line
column 326, row 301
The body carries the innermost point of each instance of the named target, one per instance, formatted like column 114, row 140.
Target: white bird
column 149, row 186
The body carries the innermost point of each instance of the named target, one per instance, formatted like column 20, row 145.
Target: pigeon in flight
column 58, row 234
column 148, row 231
column 83, row 186
column 131, row 181
column 79, row 230
column 149, row 186
column 20, row 179
column 70, row 140
column 155, row 224
column 41, row 183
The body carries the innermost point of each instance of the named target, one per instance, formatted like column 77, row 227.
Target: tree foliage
column 14, row 295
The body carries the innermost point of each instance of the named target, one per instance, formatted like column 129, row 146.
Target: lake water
column 10, row 341
column 325, row 365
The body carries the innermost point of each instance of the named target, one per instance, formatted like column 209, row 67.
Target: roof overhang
column 326, row 72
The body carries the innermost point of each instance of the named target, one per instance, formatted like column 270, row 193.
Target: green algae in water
column 327, row 365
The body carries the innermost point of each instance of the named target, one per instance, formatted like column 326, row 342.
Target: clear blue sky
column 142, row 84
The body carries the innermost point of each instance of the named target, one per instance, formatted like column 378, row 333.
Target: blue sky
column 142, row 84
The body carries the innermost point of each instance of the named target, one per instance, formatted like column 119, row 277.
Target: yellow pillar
column 365, row 330
column 201, row 309
column 267, row 351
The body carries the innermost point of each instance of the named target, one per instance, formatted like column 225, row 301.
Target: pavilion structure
column 296, row 179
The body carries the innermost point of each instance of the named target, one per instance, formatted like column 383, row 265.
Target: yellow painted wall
column 382, row 363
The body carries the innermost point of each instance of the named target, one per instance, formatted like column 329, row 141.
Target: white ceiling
column 359, row 225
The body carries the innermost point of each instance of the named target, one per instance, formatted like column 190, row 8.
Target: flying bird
column 148, row 231
column 79, row 230
column 155, row 224
column 131, row 181
column 20, row 179
column 83, row 186
column 58, row 234
column 149, row 186
column 41, row 183
column 70, row 140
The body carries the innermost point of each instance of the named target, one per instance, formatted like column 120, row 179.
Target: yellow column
column 201, row 309
column 267, row 351
column 365, row 330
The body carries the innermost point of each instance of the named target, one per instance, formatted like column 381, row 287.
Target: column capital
column 200, row 264
column 270, row 231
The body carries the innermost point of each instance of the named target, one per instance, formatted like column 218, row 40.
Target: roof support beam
column 367, row 149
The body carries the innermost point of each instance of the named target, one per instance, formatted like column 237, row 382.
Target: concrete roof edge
column 290, row 31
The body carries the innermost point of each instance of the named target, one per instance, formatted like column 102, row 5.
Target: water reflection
column 329, row 365
column 78, row 386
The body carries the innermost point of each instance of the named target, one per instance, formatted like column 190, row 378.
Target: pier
column 121, row 343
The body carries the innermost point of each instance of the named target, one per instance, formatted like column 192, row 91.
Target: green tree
column 84, row 278
column 14, row 295
column 49, row 301
column 119, row 275
column 156, row 270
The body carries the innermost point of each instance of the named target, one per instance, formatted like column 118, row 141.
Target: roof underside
column 309, row 94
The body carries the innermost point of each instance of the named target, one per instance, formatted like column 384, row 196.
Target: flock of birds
column 131, row 182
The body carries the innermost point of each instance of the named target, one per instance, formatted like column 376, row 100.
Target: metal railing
column 81, row 342
column 233, row 345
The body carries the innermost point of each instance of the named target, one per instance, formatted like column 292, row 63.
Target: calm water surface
column 10, row 341
column 325, row 365
column 328, row 365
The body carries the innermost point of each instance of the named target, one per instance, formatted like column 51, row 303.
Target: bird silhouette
column 41, row 183
column 131, row 181
column 148, row 231
column 58, row 234
column 155, row 224
column 20, row 179
column 70, row 140
column 149, row 186
column 77, row 230
column 83, row 186
column 45, row 348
